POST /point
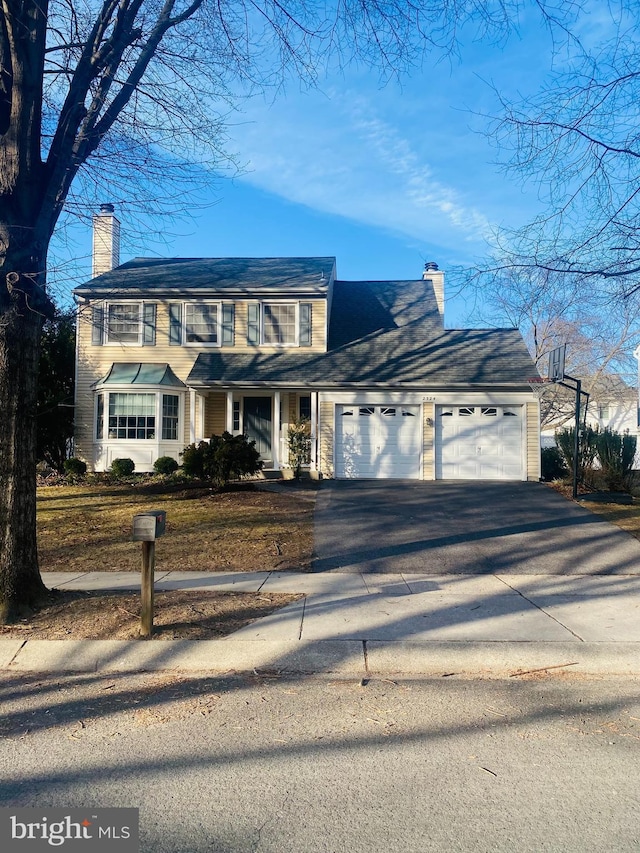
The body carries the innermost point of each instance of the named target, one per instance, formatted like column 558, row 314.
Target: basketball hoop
column 537, row 385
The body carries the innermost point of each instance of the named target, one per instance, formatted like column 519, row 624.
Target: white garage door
column 479, row 442
column 378, row 441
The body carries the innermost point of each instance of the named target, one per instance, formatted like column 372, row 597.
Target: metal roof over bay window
column 140, row 373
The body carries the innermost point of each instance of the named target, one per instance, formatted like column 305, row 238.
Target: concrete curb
column 341, row 658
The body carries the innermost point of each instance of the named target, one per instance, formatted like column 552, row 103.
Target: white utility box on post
column 147, row 527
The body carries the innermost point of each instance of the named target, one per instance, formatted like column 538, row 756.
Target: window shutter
column 149, row 324
column 97, row 325
column 253, row 323
column 305, row 324
column 227, row 323
column 175, row 324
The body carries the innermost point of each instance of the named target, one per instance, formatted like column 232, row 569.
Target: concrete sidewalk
column 364, row 625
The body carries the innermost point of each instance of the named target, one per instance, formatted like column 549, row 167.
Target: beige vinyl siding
column 326, row 439
column 95, row 360
column 293, row 408
column 533, row 441
column 186, row 432
column 215, row 418
column 240, row 327
column 428, row 441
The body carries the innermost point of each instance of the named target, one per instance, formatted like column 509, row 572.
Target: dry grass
column 178, row 614
column 88, row 528
column 625, row 516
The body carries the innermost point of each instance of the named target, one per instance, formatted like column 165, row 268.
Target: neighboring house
column 173, row 351
column 612, row 404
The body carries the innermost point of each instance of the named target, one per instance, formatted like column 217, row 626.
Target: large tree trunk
column 26, row 224
column 21, row 317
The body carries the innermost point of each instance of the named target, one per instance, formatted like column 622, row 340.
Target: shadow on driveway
column 463, row 528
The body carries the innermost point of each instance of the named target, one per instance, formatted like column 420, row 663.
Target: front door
column 257, row 423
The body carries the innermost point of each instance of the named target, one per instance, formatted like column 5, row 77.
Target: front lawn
column 626, row 516
column 87, row 528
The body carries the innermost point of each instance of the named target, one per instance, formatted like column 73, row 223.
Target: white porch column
column 314, row 430
column 229, row 413
column 192, row 415
column 275, row 441
column 201, row 407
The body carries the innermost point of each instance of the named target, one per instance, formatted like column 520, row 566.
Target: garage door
column 479, row 442
column 378, row 441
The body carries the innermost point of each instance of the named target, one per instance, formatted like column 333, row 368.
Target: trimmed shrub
column 226, row 457
column 193, row 459
column 616, row 453
column 75, row 468
column 565, row 444
column 553, row 465
column 299, row 443
column 165, row 465
column 121, row 468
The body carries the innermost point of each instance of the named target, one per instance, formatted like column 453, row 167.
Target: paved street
column 329, row 766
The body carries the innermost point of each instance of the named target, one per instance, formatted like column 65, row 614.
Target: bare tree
column 552, row 309
column 92, row 89
column 578, row 141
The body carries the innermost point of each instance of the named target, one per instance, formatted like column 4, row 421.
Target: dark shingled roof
column 381, row 334
column 188, row 276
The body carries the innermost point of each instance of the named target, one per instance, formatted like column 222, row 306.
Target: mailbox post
column 147, row 527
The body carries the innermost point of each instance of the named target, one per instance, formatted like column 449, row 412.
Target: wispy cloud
column 341, row 155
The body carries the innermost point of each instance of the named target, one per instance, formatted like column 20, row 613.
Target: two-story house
column 171, row 351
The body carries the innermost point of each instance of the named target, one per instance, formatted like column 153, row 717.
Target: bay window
column 170, row 410
column 134, row 416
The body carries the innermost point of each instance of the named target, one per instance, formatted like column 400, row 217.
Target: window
column 304, row 407
column 279, row 323
column 123, row 323
column 603, row 413
column 200, row 323
column 388, row 412
column 99, row 416
column 170, row 410
column 366, row 411
column 489, row 411
column 466, row 411
column 236, row 416
column 132, row 415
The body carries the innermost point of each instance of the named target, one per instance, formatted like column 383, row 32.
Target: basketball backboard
column 556, row 363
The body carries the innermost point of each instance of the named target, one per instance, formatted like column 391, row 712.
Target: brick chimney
column 106, row 240
column 436, row 277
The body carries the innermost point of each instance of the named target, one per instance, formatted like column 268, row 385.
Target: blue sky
column 383, row 178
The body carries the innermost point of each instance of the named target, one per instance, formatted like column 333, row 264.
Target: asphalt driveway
column 463, row 527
